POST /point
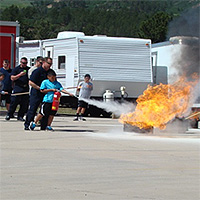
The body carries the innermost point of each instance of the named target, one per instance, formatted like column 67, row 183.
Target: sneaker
column 32, row 126
column 75, row 119
column 82, row 119
column 20, row 119
column 49, row 128
column 26, row 128
column 7, row 117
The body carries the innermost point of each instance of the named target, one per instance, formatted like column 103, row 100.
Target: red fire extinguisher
column 56, row 101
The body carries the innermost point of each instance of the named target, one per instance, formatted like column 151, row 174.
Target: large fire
column 161, row 103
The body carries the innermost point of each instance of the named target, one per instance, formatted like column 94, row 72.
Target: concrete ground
column 96, row 160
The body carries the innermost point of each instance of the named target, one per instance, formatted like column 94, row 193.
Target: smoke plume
column 186, row 31
column 112, row 106
column 186, row 25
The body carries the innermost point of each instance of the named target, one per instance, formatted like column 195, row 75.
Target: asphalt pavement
column 97, row 160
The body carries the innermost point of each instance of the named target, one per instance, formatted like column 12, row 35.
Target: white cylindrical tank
column 122, row 89
column 108, row 96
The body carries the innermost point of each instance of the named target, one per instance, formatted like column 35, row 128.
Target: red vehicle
column 9, row 31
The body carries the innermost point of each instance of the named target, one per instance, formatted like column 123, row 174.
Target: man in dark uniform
column 19, row 76
column 36, row 96
column 7, row 83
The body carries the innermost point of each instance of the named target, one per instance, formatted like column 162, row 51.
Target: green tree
column 44, row 30
column 10, row 14
column 155, row 28
column 45, row 18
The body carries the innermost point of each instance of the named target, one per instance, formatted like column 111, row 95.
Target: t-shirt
column 85, row 92
column 7, row 81
column 21, row 84
column 46, row 84
column 37, row 76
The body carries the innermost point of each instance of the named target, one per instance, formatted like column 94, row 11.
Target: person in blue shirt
column 7, row 83
column 48, row 86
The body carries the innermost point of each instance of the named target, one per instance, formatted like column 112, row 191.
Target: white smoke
column 112, row 106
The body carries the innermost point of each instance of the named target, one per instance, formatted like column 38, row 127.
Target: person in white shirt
column 85, row 89
column 38, row 63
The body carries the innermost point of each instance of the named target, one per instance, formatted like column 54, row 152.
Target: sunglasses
column 24, row 63
column 49, row 63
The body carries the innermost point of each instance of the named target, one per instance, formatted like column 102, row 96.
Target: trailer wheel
column 94, row 111
column 106, row 114
column 87, row 113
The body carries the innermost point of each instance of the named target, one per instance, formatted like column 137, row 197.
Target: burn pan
column 177, row 126
column 131, row 128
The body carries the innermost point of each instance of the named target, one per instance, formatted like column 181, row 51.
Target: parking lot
column 96, row 160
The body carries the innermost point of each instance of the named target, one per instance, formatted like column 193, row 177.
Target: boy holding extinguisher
column 51, row 88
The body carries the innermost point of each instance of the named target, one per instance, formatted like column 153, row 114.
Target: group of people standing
column 14, row 88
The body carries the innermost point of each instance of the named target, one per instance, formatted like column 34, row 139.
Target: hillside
column 20, row 3
column 104, row 4
column 127, row 18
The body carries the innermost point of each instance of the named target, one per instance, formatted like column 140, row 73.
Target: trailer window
column 32, row 61
column 61, row 62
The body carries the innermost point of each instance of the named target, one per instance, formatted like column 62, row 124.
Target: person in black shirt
column 36, row 96
column 7, row 82
column 19, row 76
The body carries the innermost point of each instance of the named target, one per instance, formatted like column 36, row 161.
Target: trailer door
column 7, row 41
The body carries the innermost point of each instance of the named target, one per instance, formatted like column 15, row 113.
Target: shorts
column 82, row 104
column 6, row 97
column 46, row 110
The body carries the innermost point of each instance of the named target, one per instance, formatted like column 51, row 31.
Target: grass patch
column 67, row 111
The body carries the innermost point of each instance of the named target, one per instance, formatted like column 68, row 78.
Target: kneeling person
column 48, row 86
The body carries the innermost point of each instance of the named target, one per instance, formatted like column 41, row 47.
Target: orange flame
column 159, row 104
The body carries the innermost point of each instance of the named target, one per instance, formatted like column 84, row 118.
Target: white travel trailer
column 164, row 54
column 112, row 62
